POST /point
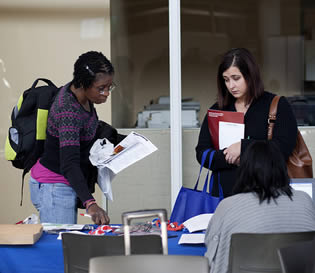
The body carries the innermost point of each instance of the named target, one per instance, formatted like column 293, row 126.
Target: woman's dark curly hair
column 263, row 171
column 87, row 66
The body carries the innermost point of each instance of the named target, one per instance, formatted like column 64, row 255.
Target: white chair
column 149, row 264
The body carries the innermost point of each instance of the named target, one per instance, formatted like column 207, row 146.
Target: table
column 46, row 255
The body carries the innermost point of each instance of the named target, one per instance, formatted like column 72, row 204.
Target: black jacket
column 256, row 128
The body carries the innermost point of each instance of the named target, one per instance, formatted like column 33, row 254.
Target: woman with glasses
column 61, row 177
column 240, row 89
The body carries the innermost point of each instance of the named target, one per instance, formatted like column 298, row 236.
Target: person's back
column 258, row 206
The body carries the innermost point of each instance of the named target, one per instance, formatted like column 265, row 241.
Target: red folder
column 214, row 116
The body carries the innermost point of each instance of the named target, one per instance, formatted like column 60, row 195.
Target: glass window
column 280, row 33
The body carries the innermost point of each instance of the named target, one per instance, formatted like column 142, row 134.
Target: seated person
column 263, row 202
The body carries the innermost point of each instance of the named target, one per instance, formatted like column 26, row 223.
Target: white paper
column 306, row 187
column 135, row 146
column 229, row 133
column 102, row 149
column 104, row 179
column 74, row 231
column 194, row 238
column 199, row 222
column 53, row 226
column 109, row 163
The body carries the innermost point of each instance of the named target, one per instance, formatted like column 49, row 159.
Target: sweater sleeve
column 204, row 143
column 69, row 126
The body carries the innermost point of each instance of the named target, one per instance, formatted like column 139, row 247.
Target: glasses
column 107, row 88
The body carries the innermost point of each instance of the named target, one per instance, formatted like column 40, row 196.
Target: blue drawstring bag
column 192, row 202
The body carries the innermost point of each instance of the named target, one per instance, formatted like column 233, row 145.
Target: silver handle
column 128, row 216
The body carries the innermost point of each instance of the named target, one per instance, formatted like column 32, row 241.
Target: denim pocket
column 34, row 192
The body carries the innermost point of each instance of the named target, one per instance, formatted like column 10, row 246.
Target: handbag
column 192, row 202
column 300, row 163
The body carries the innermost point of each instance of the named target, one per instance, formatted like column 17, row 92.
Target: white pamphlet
column 194, row 238
column 230, row 133
column 199, row 222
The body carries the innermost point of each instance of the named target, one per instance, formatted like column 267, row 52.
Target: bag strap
column 205, row 186
column 212, row 179
column 203, row 160
column 272, row 115
column 220, row 187
column 44, row 80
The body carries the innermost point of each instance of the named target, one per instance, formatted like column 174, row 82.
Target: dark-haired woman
column 61, row 174
column 240, row 89
column 263, row 202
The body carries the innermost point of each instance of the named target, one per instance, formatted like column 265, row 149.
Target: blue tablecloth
column 46, row 255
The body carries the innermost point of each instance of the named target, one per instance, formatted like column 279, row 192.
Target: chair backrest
column 78, row 249
column 149, row 264
column 130, row 215
column 298, row 257
column 257, row 252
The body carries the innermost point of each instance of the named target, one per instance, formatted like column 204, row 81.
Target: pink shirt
column 43, row 175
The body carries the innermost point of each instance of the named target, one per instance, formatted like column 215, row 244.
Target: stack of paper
column 196, row 223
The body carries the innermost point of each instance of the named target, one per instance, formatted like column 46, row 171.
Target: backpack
column 26, row 137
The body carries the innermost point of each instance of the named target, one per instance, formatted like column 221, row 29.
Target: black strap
column 23, row 176
column 44, row 80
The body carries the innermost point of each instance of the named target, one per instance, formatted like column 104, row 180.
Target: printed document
column 133, row 148
column 230, row 133
column 111, row 160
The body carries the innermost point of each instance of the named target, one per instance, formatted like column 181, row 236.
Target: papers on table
column 195, row 238
column 52, row 226
column 198, row 223
column 229, row 133
column 73, row 231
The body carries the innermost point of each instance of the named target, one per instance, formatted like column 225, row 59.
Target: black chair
column 149, row 264
column 298, row 257
column 257, row 252
column 78, row 249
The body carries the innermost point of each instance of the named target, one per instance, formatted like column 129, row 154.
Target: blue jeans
column 55, row 202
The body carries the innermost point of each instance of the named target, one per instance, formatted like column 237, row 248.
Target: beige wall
column 147, row 183
column 42, row 39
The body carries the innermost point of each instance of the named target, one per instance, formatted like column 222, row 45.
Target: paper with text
column 135, row 148
column 230, row 133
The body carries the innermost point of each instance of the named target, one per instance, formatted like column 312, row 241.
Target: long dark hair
column 246, row 63
column 263, row 171
column 87, row 66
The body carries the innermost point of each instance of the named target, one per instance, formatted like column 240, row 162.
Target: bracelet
column 88, row 201
column 90, row 204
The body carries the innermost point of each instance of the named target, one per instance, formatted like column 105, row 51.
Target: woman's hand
column 232, row 153
column 98, row 215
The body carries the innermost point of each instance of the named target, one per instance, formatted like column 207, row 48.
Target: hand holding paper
column 225, row 127
column 111, row 160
